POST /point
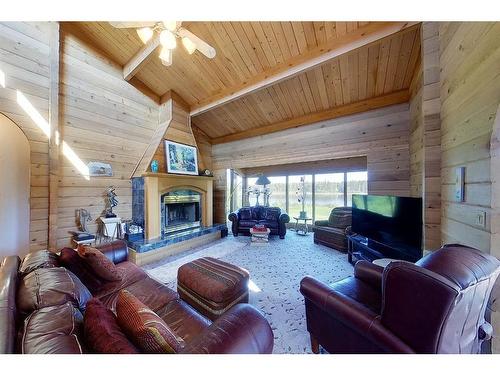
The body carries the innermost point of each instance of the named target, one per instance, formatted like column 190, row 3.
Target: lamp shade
column 262, row 180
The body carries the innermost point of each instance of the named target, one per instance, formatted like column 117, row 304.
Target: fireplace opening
column 180, row 210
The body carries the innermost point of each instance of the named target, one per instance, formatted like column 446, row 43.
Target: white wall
column 14, row 189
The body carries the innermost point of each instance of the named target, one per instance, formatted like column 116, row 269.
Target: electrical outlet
column 481, row 219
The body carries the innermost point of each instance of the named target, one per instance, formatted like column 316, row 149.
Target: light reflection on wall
column 38, row 119
column 2, row 78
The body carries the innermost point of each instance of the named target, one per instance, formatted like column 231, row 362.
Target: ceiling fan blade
column 131, row 25
column 201, row 45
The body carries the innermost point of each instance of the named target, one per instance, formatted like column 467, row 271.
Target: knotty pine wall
column 24, row 60
column 381, row 135
column 104, row 119
column 470, row 95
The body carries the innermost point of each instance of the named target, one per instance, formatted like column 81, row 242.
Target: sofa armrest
column 369, row 273
column 321, row 223
column 284, row 218
column 352, row 314
column 240, row 330
column 116, row 251
column 233, row 216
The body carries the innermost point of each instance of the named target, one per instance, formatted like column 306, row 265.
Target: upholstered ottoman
column 212, row 286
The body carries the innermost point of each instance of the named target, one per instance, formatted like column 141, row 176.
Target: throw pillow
column 102, row 333
column 146, row 329
column 272, row 214
column 100, row 264
column 70, row 259
column 245, row 214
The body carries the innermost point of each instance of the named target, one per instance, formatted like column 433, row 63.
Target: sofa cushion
column 269, row 224
column 99, row 263
column 52, row 330
column 146, row 329
column 70, row 259
column 102, row 332
column 272, row 214
column 9, row 279
column 38, row 259
column 247, row 223
column 258, row 213
column 245, row 213
column 49, row 287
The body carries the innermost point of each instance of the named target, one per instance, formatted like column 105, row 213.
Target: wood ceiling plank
column 306, row 87
column 392, row 63
column 309, row 34
column 272, row 42
column 363, row 72
column 261, row 38
column 382, row 66
column 243, row 45
column 341, row 28
column 320, row 80
column 361, row 37
column 414, row 59
column 404, row 58
column 353, row 63
column 254, row 42
column 349, row 109
column 319, row 31
column 290, row 38
column 337, row 82
column 281, row 40
column 300, row 37
column 373, row 52
column 344, row 79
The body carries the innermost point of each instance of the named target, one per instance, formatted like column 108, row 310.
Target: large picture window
column 324, row 191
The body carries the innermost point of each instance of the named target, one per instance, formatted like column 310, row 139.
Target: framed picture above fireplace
column 181, row 158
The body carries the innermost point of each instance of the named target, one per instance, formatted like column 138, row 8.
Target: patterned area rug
column 275, row 272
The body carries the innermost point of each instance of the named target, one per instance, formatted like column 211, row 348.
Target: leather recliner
column 333, row 232
column 272, row 217
column 436, row 305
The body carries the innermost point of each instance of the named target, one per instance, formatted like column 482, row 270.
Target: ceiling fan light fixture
column 189, row 45
column 167, row 39
column 166, row 56
column 145, row 33
column 170, row 25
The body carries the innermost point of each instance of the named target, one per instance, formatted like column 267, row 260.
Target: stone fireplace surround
column 148, row 207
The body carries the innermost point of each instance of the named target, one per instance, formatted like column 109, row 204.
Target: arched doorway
column 14, row 189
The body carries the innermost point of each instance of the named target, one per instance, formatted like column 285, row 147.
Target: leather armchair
column 333, row 232
column 246, row 217
column 436, row 305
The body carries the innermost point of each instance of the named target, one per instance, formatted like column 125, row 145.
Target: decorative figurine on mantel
column 111, row 202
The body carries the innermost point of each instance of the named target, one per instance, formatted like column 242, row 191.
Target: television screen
column 395, row 222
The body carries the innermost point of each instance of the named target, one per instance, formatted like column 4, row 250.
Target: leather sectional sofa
column 42, row 305
column 246, row 217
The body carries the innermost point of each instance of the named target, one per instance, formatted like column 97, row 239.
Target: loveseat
column 246, row 217
column 42, row 306
column 436, row 305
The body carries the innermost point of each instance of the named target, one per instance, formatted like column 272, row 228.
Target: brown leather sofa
column 333, row 232
column 436, row 305
column 30, row 323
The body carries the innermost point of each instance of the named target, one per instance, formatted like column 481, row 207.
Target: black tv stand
column 363, row 248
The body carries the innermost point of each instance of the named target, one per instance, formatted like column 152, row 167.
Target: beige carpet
column 275, row 271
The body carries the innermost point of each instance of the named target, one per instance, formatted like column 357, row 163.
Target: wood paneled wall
column 103, row 119
column 470, row 94
column 381, row 135
column 24, row 60
column 416, row 136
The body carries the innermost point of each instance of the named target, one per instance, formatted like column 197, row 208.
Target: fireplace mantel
column 156, row 184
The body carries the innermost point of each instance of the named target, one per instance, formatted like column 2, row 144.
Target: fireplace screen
column 180, row 210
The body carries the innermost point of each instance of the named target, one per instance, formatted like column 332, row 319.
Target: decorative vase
column 154, row 166
column 303, row 214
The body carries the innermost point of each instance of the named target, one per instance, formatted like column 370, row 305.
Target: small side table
column 306, row 229
column 110, row 228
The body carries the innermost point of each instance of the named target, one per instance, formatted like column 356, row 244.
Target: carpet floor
column 275, row 272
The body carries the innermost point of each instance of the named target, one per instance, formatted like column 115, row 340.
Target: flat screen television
column 392, row 224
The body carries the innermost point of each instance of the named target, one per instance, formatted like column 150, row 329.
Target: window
column 328, row 194
column 330, row 190
column 237, row 191
column 357, row 183
column 294, row 207
column 278, row 192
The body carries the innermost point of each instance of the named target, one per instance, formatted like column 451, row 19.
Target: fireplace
column 180, row 210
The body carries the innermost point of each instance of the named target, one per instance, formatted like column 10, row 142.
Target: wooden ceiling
column 251, row 51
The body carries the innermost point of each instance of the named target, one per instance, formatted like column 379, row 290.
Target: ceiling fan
column 166, row 33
